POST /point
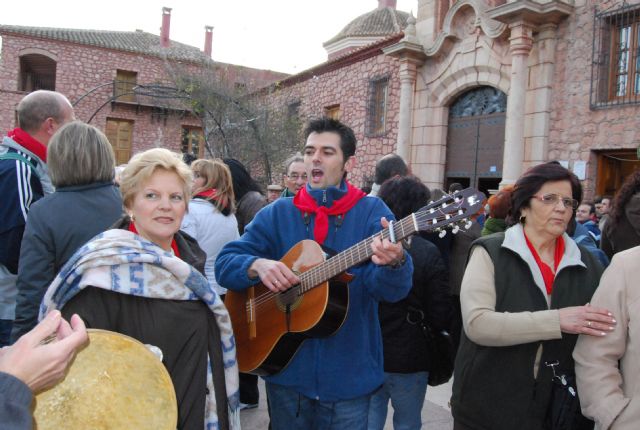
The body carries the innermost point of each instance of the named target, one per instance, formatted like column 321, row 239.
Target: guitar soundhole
column 289, row 298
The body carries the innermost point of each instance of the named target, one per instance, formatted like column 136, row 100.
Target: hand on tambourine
column 40, row 358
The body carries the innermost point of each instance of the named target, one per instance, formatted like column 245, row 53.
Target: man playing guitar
column 329, row 381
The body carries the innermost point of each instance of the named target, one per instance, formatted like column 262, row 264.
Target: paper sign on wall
column 580, row 169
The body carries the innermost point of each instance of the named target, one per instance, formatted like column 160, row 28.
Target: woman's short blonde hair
column 216, row 175
column 143, row 165
column 79, row 154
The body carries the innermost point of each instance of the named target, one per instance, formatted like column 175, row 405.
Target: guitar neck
column 354, row 255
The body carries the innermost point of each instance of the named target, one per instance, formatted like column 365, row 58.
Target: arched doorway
column 475, row 139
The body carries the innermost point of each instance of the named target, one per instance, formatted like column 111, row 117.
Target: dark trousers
column 249, row 393
column 455, row 328
column 5, row 332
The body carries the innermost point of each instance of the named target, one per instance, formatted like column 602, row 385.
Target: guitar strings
column 262, row 299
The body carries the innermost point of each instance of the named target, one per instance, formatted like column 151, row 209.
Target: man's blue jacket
column 349, row 363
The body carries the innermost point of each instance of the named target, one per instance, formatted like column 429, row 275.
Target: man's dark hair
column 389, row 166
column 455, row 186
column 242, row 180
column 330, row 125
column 189, row 158
column 404, row 195
column 532, row 180
column 592, row 207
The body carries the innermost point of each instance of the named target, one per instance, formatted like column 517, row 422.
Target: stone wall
column 576, row 130
column 83, row 68
column 349, row 87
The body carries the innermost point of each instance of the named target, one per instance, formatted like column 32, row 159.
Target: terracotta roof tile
column 131, row 41
column 379, row 22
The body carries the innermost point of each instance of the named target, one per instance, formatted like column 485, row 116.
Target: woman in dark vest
column 524, row 299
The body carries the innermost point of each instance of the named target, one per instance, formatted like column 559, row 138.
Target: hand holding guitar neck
column 272, row 318
column 274, row 275
column 385, row 252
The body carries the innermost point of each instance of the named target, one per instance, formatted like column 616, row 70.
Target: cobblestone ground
column 436, row 414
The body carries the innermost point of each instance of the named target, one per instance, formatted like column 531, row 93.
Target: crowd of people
column 152, row 249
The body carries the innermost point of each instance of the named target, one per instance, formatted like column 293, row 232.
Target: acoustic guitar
column 270, row 327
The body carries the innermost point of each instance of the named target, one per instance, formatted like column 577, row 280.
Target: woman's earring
column 522, row 218
column 132, row 216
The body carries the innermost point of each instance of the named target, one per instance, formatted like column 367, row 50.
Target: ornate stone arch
column 490, row 27
column 452, row 84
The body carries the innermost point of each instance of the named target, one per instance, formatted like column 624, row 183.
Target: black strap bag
column 439, row 346
column 564, row 411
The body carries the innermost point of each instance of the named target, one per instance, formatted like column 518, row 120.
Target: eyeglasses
column 553, row 199
column 295, row 176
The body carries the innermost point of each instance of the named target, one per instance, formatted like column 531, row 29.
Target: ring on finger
column 589, row 324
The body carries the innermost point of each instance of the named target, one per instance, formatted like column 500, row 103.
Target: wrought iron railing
column 615, row 67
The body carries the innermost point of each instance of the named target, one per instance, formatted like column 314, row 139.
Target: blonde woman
column 211, row 219
column 144, row 278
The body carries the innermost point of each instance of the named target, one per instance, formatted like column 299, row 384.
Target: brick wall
column 82, row 68
column 349, row 87
column 576, row 130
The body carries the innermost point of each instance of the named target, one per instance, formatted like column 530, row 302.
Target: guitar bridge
column 251, row 313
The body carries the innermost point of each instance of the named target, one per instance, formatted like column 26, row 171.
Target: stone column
column 521, row 43
column 407, row 74
column 539, row 95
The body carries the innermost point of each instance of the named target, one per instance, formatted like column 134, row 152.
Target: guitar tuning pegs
column 467, row 225
column 442, row 234
column 455, row 229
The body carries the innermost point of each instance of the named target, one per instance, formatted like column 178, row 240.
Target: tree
column 238, row 121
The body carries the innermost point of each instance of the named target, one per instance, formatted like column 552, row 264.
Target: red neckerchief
column 209, row 194
column 547, row 274
column 174, row 245
column 29, row 143
column 307, row 204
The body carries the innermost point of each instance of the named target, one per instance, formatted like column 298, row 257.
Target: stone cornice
column 531, row 12
column 406, row 50
column 489, row 26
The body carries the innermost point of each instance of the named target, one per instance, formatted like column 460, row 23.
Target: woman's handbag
column 564, row 405
column 439, row 346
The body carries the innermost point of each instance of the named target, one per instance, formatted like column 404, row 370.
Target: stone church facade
column 479, row 90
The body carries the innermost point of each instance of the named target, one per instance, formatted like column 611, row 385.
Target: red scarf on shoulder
column 174, row 245
column 29, row 143
column 307, row 204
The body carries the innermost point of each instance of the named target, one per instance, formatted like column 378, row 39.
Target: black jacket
column 494, row 388
column 185, row 331
column 626, row 234
column 404, row 344
column 58, row 225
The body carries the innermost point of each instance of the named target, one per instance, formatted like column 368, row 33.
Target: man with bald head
column 23, row 180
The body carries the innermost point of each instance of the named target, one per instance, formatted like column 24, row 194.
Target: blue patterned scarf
column 121, row 261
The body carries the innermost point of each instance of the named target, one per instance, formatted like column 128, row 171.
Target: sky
column 280, row 35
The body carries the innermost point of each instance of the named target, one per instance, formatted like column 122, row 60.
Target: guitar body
column 269, row 328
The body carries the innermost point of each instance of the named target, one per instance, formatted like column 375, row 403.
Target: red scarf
column 548, row 275
column 307, row 204
column 29, row 143
column 210, row 194
column 174, row 245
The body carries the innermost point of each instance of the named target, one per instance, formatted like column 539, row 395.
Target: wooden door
column 613, row 168
column 475, row 138
column 120, row 132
